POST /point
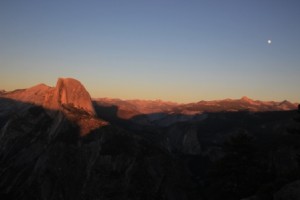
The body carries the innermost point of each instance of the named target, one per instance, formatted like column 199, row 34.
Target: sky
column 174, row 50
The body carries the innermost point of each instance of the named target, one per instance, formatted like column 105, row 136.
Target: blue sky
column 171, row 50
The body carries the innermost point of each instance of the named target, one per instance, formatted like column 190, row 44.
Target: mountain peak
column 247, row 99
column 70, row 96
column 285, row 101
column 69, row 93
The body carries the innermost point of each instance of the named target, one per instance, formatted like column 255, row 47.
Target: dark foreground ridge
column 55, row 143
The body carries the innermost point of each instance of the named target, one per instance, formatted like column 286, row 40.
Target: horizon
column 162, row 100
column 167, row 50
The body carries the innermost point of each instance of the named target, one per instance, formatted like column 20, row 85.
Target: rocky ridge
column 68, row 97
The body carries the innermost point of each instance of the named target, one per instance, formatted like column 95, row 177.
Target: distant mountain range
column 131, row 108
column 143, row 112
column 59, row 143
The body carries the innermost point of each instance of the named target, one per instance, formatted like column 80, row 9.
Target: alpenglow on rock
column 69, row 93
column 67, row 101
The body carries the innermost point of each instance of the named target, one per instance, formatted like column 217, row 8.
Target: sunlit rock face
column 69, row 93
column 68, row 98
column 35, row 95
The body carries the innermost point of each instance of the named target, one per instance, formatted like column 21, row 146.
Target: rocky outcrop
column 69, row 93
column 191, row 143
column 68, row 98
column 184, row 141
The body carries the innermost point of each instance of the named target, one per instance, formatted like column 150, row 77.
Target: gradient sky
column 182, row 51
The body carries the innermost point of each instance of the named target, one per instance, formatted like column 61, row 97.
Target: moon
column 269, row 41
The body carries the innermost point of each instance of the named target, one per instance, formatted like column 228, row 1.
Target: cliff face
column 68, row 99
column 69, row 93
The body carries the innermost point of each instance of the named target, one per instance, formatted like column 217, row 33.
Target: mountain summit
column 68, row 99
column 69, row 93
column 247, row 99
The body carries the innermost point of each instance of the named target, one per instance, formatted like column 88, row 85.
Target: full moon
column 269, row 41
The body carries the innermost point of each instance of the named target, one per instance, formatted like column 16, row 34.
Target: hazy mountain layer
column 131, row 108
column 160, row 113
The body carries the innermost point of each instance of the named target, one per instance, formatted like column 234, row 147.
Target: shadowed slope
column 43, row 156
